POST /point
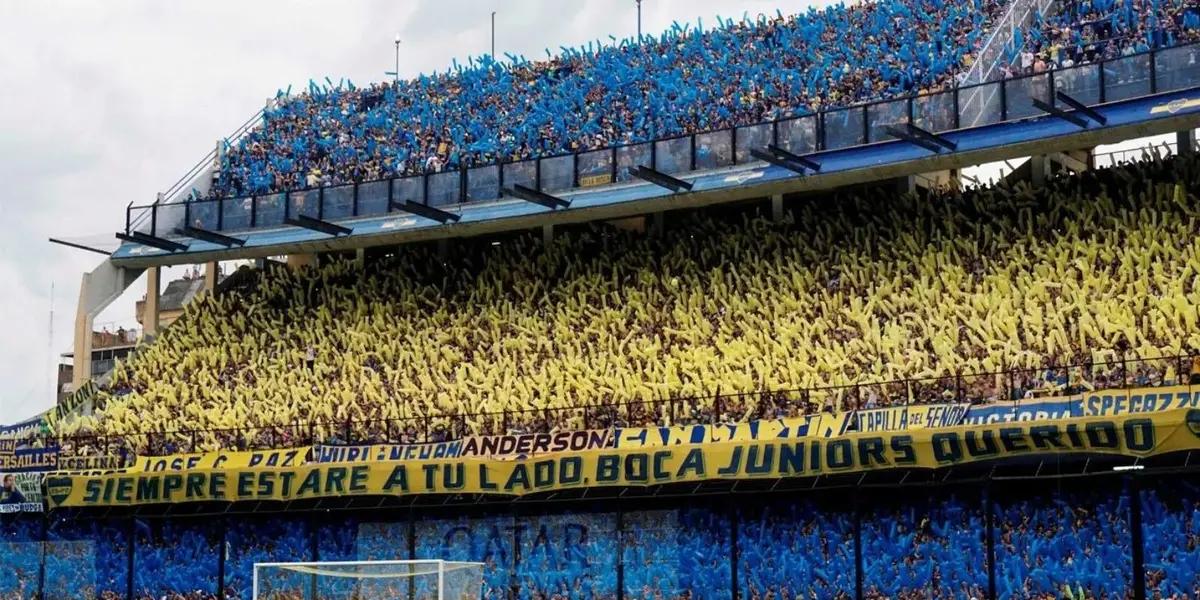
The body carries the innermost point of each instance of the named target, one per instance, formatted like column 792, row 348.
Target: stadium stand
column 866, row 287
column 916, row 543
column 1084, row 31
column 601, row 95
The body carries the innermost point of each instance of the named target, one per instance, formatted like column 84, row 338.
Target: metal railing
column 1156, row 71
column 1011, row 388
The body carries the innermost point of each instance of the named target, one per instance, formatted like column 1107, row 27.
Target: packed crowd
column 868, row 287
column 1065, row 544
column 914, row 548
column 1085, row 31
column 1071, row 542
column 687, row 80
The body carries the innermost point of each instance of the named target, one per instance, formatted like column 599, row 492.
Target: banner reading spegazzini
column 1133, row 435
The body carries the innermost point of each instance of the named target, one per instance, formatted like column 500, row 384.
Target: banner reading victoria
column 242, row 476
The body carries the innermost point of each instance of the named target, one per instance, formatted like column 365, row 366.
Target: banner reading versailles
column 1134, row 435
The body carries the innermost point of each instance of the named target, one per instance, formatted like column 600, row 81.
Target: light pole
column 396, row 74
column 639, row 8
column 493, row 36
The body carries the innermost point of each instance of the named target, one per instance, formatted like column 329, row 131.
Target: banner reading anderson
column 1133, row 435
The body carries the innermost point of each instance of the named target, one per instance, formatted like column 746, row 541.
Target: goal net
column 369, row 580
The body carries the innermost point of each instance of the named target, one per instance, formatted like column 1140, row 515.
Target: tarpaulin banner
column 907, row 418
column 288, row 457
column 675, row 435
column 1141, row 435
column 385, row 452
column 20, row 492
column 532, row 444
column 1100, row 403
column 26, row 460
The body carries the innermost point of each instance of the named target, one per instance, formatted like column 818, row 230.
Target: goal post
column 368, row 580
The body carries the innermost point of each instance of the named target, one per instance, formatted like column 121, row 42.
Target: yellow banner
column 1134, row 435
column 289, row 457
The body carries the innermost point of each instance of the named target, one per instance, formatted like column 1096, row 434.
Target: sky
column 108, row 103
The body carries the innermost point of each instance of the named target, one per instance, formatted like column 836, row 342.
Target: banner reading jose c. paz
column 1134, row 435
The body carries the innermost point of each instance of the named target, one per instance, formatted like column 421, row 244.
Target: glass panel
column 884, row 115
column 1045, row 539
column 443, row 188
column 798, row 136
column 629, row 157
column 677, row 554
column 567, row 556
column 979, row 105
column 1170, row 530
column 521, row 173
column 714, row 150
column 754, row 137
column 488, row 540
column 235, row 213
column 373, row 198
column 305, row 203
column 798, row 549
column 141, row 219
column 558, row 173
column 20, row 556
column 1177, row 68
column 1020, row 93
column 843, row 128
column 934, row 112
column 85, row 558
column 203, row 214
column 1126, row 78
column 673, row 156
column 409, row 189
column 170, row 218
column 252, row 540
column 595, row 168
column 175, row 557
column 338, row 203
column 1081, row 83
column 483, row 183
column 268, row 211
column 917, row 546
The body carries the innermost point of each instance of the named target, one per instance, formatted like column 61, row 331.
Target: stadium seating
column 1080, row 539
column 607, row 93
column 857, row 288
column 1083, row 31
column 916, row 543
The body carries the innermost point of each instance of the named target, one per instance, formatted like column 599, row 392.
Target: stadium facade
column 713, row 420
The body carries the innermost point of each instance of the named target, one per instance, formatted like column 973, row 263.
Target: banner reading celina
column 1134, row 435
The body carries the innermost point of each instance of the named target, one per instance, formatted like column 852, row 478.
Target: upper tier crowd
column 685, row 81
column 1085, row 31
column 857, row 288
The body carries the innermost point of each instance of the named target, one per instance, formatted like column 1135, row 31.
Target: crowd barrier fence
column 1155, row 71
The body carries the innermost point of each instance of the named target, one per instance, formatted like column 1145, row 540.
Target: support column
column 906, row 184
column 547, row 234
column 1039, row 169
column 360, row 255
column 150, row 306
column 443, row 248
column 210, row 277
column 81, row 369
column 1185, row 142
column 656, row 224
column 777, row 208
